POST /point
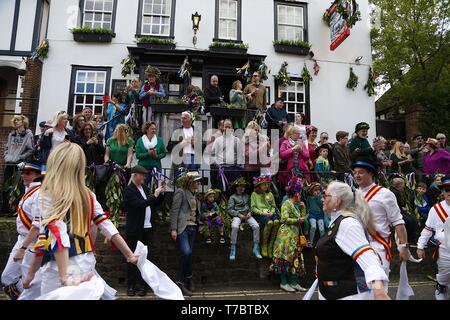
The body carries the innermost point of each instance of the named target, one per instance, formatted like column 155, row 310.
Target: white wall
column 25, row 25
column 333, row 106
column 6, row 22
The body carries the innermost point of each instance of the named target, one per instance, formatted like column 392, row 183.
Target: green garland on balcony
column 283, row 78
column 292, row 43
column 370, row 85
column 128, row 66
column 352, row 82
column 154, row 40
column 91, row 30
column 223, row 44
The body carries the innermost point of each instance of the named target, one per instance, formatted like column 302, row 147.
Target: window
column 290, row 21
column 294, row 97
column 98, row 14
column 228, row 20
column 156, row 17
column 88, row 86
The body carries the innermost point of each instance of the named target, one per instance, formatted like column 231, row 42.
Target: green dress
column 287, row 253
column 237, row 100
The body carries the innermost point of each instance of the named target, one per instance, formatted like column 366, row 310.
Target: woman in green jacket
column 150, row 150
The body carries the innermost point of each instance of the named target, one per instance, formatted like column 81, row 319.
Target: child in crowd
column 211, row 217
column 314, row 203
column 239, row 209
column 265, row 211
column 322, row 167
column 422, row 202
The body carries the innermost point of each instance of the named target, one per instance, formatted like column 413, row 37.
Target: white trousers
column 16, row 270
column 146, row 114
column 443, row 276
column 379, row 249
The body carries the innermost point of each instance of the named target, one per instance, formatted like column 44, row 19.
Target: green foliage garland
column 283, row 78
column 306, row 76
column 370, row 85
column 352, row 82
column 128, row 66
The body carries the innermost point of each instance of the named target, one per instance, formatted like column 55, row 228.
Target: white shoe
column 287, row 288
column 299, row 288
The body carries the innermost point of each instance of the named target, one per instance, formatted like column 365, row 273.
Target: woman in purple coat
column 436, row 160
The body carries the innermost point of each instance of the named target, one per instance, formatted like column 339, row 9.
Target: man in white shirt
column 228, row 156
column 385, row 213
column 138, row 203
column 437, row 217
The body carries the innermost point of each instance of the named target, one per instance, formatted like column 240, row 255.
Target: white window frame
column 152, row 16
column 94, row 106
column 228, row 19
column 94, row 12
column 301, row 25
column 285, row 89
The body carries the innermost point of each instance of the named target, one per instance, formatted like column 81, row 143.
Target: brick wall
column 412, row 121
column 211, row 267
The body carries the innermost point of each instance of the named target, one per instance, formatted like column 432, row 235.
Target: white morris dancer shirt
column 433, row 224
column 385, row 211
column 29, row 206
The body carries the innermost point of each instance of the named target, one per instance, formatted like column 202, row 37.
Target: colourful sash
column 27, row 222
column 376, row 236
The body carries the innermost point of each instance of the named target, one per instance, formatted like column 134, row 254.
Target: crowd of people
column 342, row 198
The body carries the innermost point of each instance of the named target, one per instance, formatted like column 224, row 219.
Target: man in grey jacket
column 341, row 155
column 184, row 218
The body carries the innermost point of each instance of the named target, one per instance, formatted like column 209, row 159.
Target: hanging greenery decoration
column 316, row 68
column 114, row 194
column 352, row 82
column 306, row 76
column 283, row 78
column 244, row 71
column 185, row 69
column 370, row 85
column 90, row 178
column 14, row 189
column 128, row 66
column 41, row 51
column 350, row 14
column 263, row 71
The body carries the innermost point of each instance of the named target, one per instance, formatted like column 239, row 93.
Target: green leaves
column 293, row 43
column 13, row 187
column 114, row 197
column 154, row 40
column 352, row 82
column 220, row 44
column 91, row 30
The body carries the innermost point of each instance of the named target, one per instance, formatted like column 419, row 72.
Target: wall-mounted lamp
column 195, row 25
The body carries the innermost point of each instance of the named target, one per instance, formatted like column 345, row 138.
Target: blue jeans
column 186, row 243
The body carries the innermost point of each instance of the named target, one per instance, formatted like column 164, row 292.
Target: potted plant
column 292, row 46
column 169, row 106
column 155, row 43
column 228, row 47
column 88, row 34
column 226, row 110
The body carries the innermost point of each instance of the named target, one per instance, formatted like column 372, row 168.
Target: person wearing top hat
column 184, row 218
column 211, row 216
column 151, row 90
column 384, row 212
column 27, row 223
column 435, row 160
column 437, row 217
column 359, row 145
column 139, row 206
column 322, row 167
column 238, row 208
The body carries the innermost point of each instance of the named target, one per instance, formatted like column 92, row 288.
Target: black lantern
column 195, row 25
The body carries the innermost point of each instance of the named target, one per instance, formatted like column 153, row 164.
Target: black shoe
column 142, row 292
column 190, row 284
column 184, row 290
column 131, row 292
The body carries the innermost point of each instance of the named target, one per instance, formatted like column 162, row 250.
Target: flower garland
column 41, row 51
column 316, row 68
column 128, row 66
column 352, row 82
column 350, row 17
column 306, row 76
column 185, row 69
column 283, row 78
column 370, row 85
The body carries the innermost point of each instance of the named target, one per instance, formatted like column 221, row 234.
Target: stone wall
column 211, row 265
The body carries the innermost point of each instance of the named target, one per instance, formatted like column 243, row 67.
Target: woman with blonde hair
column 347, row 266
column 119, row 148
column 56, row 135
column 68, row 210
column 400, row 161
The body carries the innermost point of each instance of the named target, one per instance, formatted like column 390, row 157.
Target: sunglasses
column 441, row 138
column 325, row 138
column 255, row 76
column 447, row 189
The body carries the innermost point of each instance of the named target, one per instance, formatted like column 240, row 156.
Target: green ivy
column 91, row 30
column 220, row 44
column 154, row 40
column 293, row 43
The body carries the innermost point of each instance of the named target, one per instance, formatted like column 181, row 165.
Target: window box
column 291, row 49
column 169, row 107
column 156, row 46
column 87, row 34
column 155, row 43
column 228, row 47
column 222, row 111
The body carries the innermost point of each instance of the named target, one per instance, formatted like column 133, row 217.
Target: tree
column 411, row 51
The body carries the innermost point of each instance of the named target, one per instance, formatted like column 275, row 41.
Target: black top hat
column 366, row 163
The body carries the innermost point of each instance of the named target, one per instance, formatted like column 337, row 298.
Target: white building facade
column 78, row 74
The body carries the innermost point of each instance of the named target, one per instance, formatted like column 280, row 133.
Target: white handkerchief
column 89, row 290
column 160, row 283
column 404, row 289
column 311, row 290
